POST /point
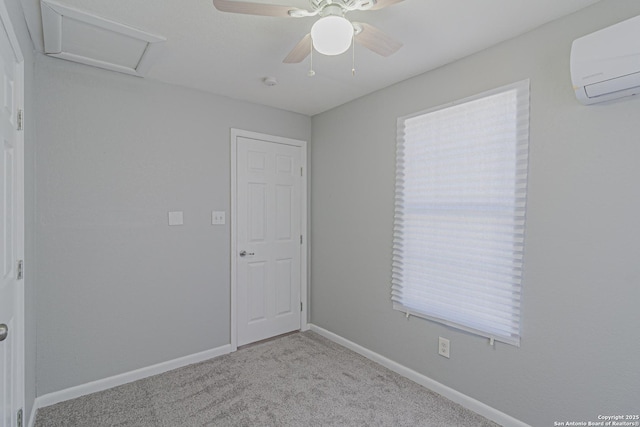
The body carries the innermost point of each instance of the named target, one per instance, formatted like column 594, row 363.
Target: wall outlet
column 443, row 347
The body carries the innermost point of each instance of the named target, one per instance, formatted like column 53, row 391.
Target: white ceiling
column 230, row 54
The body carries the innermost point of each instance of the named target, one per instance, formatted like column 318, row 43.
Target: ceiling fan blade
column 376, row 40
column 254, row 8
column 300, row 51
column 381, row 4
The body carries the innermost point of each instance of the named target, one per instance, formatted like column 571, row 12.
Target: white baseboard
column 32, row 416
column 127, row 377
column 451, row 394
column 120, row 379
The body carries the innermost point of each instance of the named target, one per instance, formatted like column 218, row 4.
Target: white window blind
column 461, row 187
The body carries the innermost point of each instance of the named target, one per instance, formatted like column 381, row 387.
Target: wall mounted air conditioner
column 605, row 65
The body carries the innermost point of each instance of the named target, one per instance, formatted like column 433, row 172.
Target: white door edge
column 19, row 151
column 235, row 134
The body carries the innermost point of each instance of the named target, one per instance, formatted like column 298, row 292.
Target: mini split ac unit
column 605, row 65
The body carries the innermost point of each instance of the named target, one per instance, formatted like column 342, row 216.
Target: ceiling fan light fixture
column 332, row 35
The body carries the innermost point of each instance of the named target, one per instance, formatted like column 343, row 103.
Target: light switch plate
column 218, row 218
column 176, row 218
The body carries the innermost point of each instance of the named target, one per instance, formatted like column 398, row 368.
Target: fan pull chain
column 311, row 73
column 353, row 55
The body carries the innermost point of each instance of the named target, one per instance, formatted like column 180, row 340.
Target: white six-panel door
column 11, row 230
column 268, row 238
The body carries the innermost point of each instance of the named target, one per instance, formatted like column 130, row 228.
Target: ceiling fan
column 332, row 34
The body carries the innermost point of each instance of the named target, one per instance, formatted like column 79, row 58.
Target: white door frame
column 235, row 134
column 19, row 388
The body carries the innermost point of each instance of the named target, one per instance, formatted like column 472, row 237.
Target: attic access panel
column 88, row 39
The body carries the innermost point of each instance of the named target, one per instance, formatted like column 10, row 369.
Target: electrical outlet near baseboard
column 443, row 347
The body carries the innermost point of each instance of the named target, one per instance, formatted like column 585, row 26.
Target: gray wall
column 17, row 20
column 118, row 289
column 580, row 345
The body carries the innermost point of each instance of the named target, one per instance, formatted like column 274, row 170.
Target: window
column 461, row 184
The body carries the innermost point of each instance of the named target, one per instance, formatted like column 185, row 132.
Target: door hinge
column 301, row 239
column 19, row 269
column 19, row 418
column 20, row 119
column 301, row 169
column 300, row 305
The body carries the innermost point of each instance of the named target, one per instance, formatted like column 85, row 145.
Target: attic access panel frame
column 97, row 41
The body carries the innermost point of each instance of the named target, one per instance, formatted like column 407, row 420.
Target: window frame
column 521, row 150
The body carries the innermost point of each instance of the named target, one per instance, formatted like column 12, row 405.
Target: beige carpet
column 296, row 380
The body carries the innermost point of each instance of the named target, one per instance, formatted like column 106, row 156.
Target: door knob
column 4, row 331
column 245, row 253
